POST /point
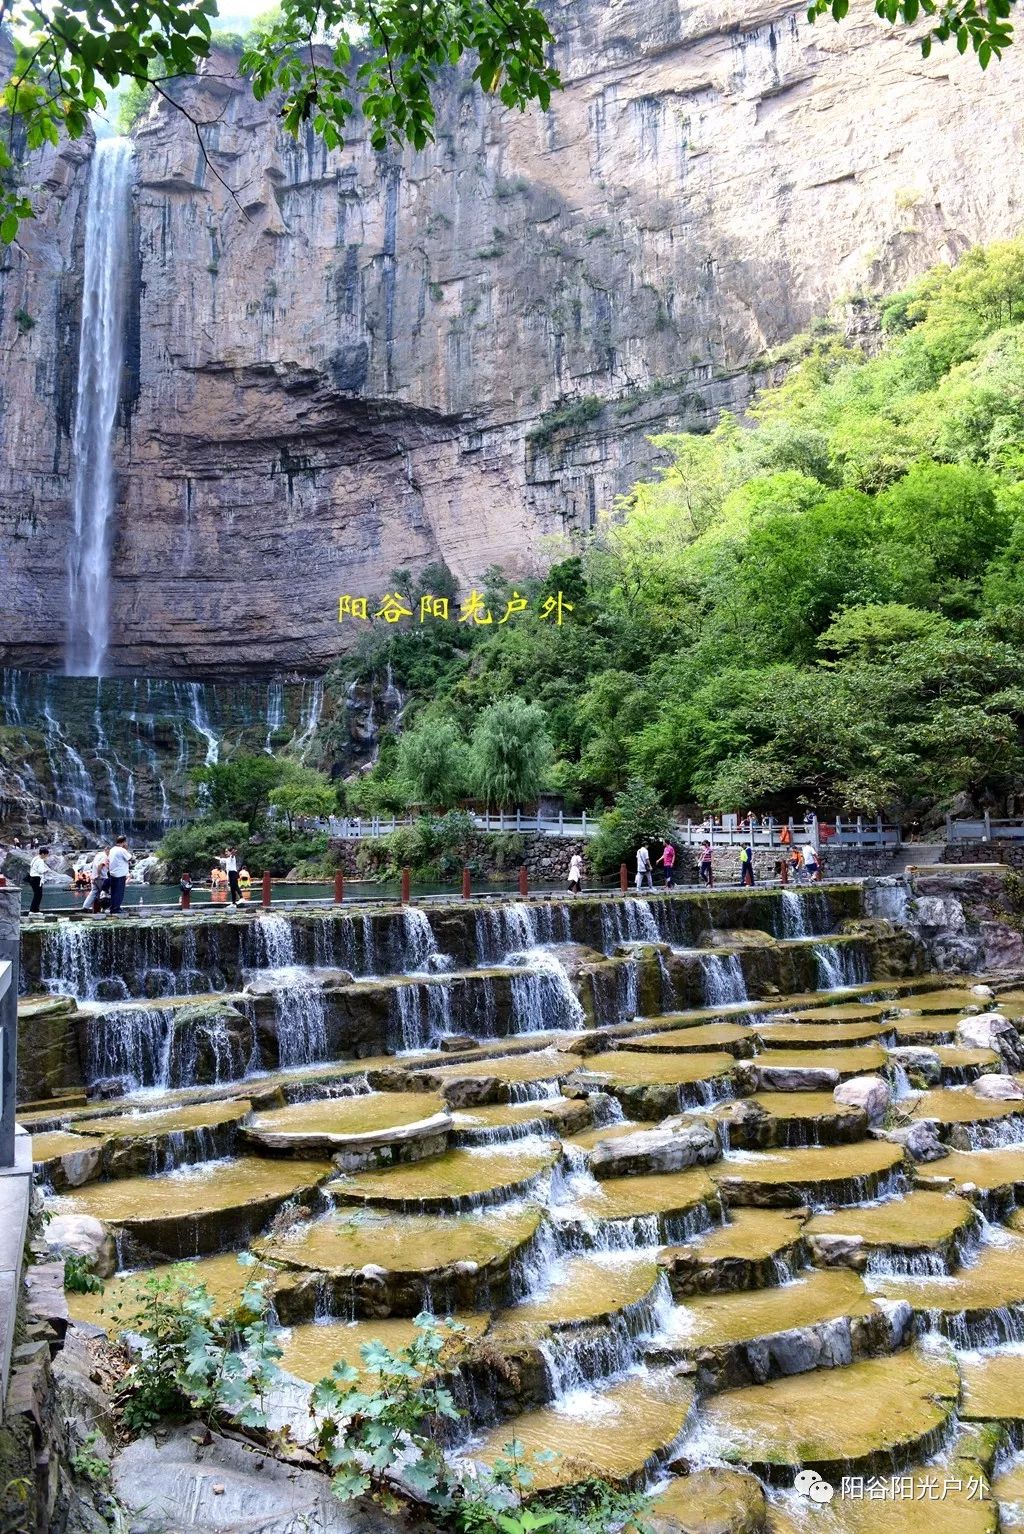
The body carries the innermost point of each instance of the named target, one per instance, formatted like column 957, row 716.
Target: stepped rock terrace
column 709, row 1210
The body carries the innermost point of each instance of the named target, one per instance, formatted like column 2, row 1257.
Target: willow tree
column 510, row 752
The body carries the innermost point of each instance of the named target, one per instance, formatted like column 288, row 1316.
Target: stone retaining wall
column 546, row 857
column 1010, row 852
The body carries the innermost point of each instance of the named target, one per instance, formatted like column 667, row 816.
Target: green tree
column 239, row 789
column 303, row 792
column 193, row 848
column 432, row 763
column 637, row 816
column 510, row 752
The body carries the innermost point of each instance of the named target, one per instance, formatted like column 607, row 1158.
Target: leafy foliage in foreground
column 826, row 610
column 194, row 1359
column 331, row 59
column 377, row 1428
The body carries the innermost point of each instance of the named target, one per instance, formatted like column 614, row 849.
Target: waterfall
column 201, row 720
column 309, row 718
column 275, row 713
column 301, row 1017
column 840, row 967
column 100, row 360
column 72, row 784
column 269, row 943
column 887, row 899
column 793, row 924
column 542, row 995
column 724, row 984
column 418, row 946
column 628, row 921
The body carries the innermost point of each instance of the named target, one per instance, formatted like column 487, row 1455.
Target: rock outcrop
column 339, row 364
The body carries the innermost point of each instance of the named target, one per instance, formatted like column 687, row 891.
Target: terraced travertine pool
column 609, row 1144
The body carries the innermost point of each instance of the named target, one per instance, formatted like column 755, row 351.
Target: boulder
column 919, row 1062
column 83, row 1236
column 837, row 1251
column 920, row 1140
column 870, row 1093
column 457, row 1043
column 710, row 1502
column 201, row 1483
column 655, row 1150
column 1001, row 1088
column 990, row 1030
column 756, row 1077
column 983, row 990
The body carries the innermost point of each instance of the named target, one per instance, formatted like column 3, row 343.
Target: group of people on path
column 106, row 878
column 800, row 865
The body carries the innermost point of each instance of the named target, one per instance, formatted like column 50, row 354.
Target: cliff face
column 358, row 363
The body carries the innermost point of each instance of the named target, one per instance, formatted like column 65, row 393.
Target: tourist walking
column 100, row 880
column 37, row 871
column 704, row 864
column 229, row 862
column 644, row 872
column 120, row 863
column 796, row 866
column 575, row 873
column 747, row 865
column 812, row 864
column 668, row 862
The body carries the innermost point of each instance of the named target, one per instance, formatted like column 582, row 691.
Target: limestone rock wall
column 350, row 363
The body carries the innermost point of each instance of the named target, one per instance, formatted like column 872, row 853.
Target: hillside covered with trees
column 821, row 607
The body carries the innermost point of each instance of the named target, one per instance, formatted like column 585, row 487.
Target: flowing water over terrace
column 604, row 1134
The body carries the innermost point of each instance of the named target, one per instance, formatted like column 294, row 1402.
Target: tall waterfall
column 100, row 358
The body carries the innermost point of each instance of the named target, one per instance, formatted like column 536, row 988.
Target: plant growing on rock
column 378, row 1433
column 192, row 1358
column 79, row 1277
column 376, row 1427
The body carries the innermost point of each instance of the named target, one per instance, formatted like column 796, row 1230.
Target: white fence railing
column 354, row 827
column 984, row 829
column 866, row 835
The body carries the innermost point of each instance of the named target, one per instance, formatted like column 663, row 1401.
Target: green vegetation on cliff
column 827, row 609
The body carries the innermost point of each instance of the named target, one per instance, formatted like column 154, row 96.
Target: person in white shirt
column 644, row 872
column 229, row 863
column 98, row 870
column 120, row 865
column 38, row 869
column 575, row 873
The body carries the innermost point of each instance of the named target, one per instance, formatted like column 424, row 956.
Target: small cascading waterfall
column 803, row 914
column 542, row 995
column 840, row 966
column 269, row 943
column 301, row 1018
column 201, row 720
column 72, row 783
column 723, row 980
column 504, row 929
column 793, row 909
column 142, row 1047
column 415, row 938
column 628, row 921
column 420, row 1015
column 576, row 1362
column 309, row 720
column 888, row 900
column 100, row 360
column 275, row 714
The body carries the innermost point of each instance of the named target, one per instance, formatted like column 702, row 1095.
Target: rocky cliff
column 342, row 364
